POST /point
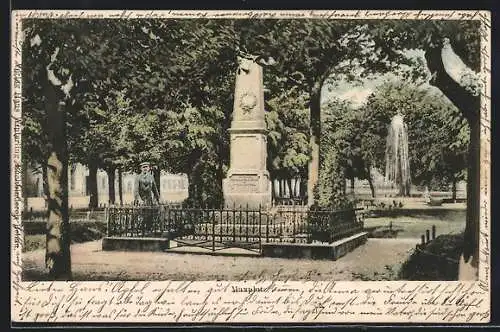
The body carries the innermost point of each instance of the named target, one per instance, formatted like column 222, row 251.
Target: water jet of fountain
column 397, row 162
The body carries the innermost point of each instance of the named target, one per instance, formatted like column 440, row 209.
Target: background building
column 173, row 187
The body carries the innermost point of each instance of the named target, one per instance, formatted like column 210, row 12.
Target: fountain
column 397, row 163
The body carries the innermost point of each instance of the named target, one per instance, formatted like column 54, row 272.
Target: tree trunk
column 191, row 187
column 94, row 198
column 370, row 182
column 156, row 175
column 273, row 190
column 194, row 196
column 24, row 180
column 315, row 130
column 45, row 184
column 193, row 177
column 220, row 168
column 471, row 235
column 289, row 184
column 352, row 185
column 57, row 252
column 111, row 185
column 296, row 187
column 303, row 187
column 120, row 185
column 469, row 105
column 454, row 189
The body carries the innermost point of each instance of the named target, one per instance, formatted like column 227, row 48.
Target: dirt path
column 378, row 259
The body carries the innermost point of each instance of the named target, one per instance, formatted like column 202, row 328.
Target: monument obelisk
column 247, row 181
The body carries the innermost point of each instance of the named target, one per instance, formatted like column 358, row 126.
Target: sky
column 358, row 93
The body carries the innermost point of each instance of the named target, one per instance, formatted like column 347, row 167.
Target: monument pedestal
column 247, row 182
column 253, row 201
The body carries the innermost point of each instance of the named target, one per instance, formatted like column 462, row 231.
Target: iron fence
column 243, row 227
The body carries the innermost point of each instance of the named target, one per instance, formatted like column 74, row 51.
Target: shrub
column 436, row 260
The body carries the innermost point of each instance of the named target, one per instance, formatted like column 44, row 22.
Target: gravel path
column 378, row 259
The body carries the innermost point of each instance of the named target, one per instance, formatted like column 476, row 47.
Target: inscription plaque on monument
column 247, row 181
column 242, row 182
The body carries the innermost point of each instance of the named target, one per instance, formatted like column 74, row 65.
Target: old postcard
column 250, row 166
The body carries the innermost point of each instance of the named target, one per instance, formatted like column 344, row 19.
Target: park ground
column 448, row 219
column 379, row 259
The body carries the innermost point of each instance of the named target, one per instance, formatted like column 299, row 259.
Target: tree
column 444, row 43
column 288, row 144
column 185, row 130
column 448, row 45
column 103, row 144
column 48, row 48
column 435, row 131
column 340, row 158
column 74, row 43
column 306, row 53
column 193, row 61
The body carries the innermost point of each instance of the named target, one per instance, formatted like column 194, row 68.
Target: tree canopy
column 438, row 135
column 164, row 69
column 162, row 90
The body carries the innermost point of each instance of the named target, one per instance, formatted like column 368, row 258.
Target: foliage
column 308, row 53
column 339, row 155
column 437, row 260
column 288, row 135
column 122, row 115
column 437, row 133
column 157, row 71
column 80, row 232
column 355, row 139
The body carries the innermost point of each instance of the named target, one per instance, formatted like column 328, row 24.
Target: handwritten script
column 485, row 153
column 17, row 233
column 247, row 301
column 255, row 14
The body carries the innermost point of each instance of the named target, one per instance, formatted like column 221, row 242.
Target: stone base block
column 331, row 251
column 253, row 200
column 135, row 244
column 247, row 187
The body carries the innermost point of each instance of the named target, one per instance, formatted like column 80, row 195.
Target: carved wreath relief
column 248, row 101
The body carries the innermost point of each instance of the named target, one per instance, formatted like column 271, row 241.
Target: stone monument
column 247, row 181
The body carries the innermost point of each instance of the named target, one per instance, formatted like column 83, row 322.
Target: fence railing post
column 234, row 222
column 260, row 228
column 267, row 228
column 427, row 236
column 433, row 232
column 106, row 217
column 213, row 233
column 221, row 230
column 240, row 222
column 246, row 223
column 222, row 220
column 280, row 225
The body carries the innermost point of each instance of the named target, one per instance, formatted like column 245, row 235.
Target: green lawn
column 33, row 242
column 452, row 222
column 79, row 232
